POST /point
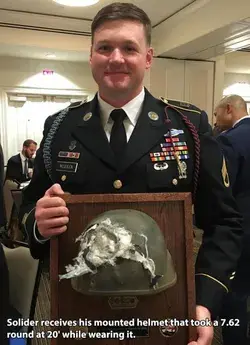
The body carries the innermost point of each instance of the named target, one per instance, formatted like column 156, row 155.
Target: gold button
column 153, row 116
column 87, row 116
column 117, row 184
column 175, row 181
column 63, row 178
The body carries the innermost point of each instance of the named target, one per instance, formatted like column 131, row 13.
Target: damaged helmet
column 122, row 252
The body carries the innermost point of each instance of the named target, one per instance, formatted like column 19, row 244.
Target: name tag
column 66, row 166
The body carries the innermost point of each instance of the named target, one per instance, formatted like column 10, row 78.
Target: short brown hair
column 28, row 142
column 122, row 10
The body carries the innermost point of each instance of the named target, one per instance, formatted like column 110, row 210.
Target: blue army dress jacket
column 76, row 153
column 236, row 146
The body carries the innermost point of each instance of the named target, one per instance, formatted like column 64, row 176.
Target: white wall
column 219, row 79
column 237, row 83
column 237, row 74
column 233, row 78
column 25, row 76
column 190, row 81
column 184, row 80
column 16, row 72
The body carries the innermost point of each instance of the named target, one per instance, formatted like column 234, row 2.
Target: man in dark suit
column 20, row 167
column 127, row 141
column 232, row 117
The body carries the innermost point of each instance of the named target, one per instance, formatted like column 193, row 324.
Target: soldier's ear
column 229, row 108
column 149, row 57
column 90, row 54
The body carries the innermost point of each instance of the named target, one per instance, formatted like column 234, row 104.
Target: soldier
column 231, row 114
column 127, row 141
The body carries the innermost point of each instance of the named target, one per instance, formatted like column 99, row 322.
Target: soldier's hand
column 205, row 334
column 51, row 213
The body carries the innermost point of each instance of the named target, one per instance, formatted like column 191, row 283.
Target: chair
column 17, row 196
column 24, row 279
column 8, row 199
column 13, row 200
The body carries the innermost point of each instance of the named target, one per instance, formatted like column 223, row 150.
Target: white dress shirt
column 132, row 109
column 244, row 117
column 23, row 159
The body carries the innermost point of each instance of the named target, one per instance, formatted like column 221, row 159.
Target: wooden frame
column 173, row 213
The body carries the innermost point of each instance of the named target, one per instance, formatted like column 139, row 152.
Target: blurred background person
column 216, row 130
column 232, row 117
column 20, row 167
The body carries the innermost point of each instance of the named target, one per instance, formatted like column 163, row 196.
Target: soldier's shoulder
column 78, row 104
column 72, row 106
column 181, row 105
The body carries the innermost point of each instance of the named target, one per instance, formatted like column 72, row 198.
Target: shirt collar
column 132, row 108
column 23, row 158
column 244, row 117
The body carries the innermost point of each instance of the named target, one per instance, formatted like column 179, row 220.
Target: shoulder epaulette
column 76, row 104
column 181, row 105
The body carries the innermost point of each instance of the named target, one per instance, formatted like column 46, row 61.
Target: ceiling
column 23, row 51
column 182, row 29
column 21, row 20
column 49, row 7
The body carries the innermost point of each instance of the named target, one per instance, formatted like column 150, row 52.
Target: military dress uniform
column 235, row 144
column 169, row 150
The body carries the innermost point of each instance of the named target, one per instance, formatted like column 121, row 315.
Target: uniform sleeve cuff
column 38, row 237
column 210, row 293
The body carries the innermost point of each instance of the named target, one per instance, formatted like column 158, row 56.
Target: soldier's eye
column 104, row 48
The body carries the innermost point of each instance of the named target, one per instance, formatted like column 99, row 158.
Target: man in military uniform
column 231, row 115
column 127, row 141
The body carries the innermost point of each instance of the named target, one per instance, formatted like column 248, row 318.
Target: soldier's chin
column 118, row 87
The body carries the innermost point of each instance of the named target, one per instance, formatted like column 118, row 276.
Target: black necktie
column 118, row 139
column 26, row 168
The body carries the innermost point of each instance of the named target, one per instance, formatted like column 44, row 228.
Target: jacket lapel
column 89, row 132
column 20, row 165
column 148, row 131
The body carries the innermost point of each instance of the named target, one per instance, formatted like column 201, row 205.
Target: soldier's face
column 119, row 58
column 223, row 117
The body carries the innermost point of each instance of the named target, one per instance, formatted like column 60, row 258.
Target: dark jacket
column 15, row 169
column 235, row 144
column 93, row 170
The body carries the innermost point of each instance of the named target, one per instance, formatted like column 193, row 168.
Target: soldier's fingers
column 47, row 202
column 53, row 231
column 47, row 213
column 56, row 189
column 53, row 222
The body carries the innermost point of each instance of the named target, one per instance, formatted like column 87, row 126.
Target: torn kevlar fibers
column 104, row 243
